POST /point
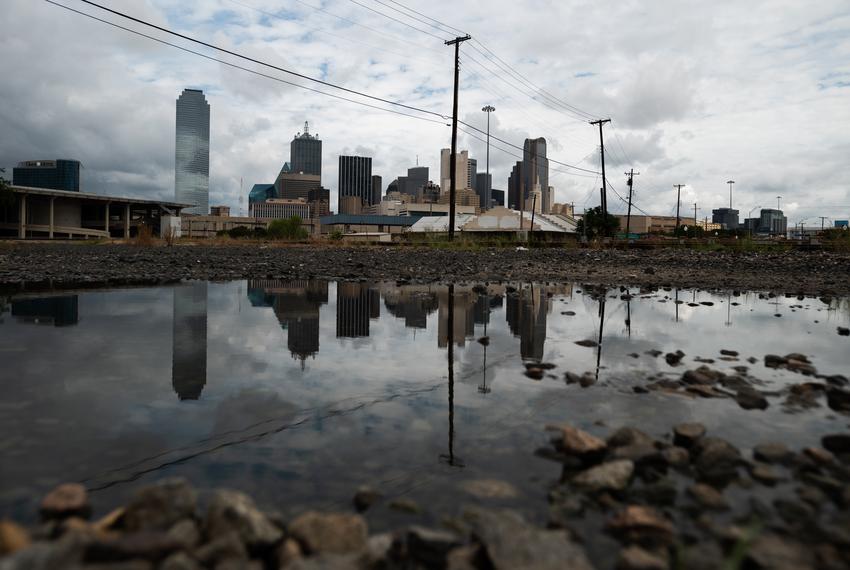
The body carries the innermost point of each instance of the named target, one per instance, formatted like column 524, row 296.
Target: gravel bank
column 818, row 273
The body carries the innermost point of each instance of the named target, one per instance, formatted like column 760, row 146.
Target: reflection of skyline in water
column 296, row 306
column 56, row 311
column 189, row 353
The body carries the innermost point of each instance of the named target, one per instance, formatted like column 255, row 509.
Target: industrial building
column 280, row 208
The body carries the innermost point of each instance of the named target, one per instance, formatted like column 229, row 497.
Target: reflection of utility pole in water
column 601, row 324
column 629, row 312
column 676, row 302
column 483, row 389
column 729, row 297
column 450, row 458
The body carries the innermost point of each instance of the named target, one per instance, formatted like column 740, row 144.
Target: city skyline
column 699, row 133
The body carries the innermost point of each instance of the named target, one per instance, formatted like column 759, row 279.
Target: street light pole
column 778, row 198
column 487, row 198
column 730, row 183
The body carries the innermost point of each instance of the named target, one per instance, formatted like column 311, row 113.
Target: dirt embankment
column 54, row 264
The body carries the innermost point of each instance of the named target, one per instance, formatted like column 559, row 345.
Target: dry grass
column 144, row 238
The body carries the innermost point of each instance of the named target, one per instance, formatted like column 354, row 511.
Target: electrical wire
column 236, row 66
column 394, row 19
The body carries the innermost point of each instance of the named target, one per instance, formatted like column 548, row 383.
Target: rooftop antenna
column 306, row 127
column 417, row 160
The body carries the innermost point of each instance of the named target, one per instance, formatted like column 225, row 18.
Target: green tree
column 289, row 228
column 597, row 223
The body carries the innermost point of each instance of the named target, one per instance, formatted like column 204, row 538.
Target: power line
column 253, row 60
column 233, row 65
column 448, row 27
column 394, row 19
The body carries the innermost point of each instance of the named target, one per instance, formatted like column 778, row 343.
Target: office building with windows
column 59, row 174
column 192, row 152
column 355, row 180
column 305, row 153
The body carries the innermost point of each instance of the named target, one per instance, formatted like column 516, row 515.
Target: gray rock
column 64, row 553
column 636, row 558
column 772, row 452
column 676, row 456
column 685, row 435
column 159, row 506
column 364, row 498
column 234, row 511
column 228, row 546
column 574, row 441
column 838, row 399
column 836, row 443
column 613, row 475
column 674, row 358
column 629, row 436
column 327, row 561
column 641, row 524
column 773, row 552
column 751, row 399
column 702, row 376
column 146, row 545
column 513, row 544
column 66, row 500
column 333, row 533
column 764, row 473
column 430, row 547
column 707, row 496
column 179, row 561
column 238, row 564
column 186, row 533
column 717, row 460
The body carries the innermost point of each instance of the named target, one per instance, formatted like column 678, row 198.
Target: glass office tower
column 192, row 152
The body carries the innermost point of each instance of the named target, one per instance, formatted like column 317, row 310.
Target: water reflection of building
column 463, row 326
column 413, row 303
column 526, row 312
column 296, row 305
column 56, row 311
column 356, row 303
column 189, row 349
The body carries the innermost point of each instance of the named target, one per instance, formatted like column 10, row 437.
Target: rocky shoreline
column 77, row 265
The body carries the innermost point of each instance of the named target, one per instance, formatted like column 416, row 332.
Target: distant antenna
column 417, row 160
column 306, row 128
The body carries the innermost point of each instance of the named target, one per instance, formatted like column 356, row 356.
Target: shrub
column 289, row 229
column 335, row 235
column 144, row 237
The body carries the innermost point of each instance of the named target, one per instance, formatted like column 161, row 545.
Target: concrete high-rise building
column 461, row 170
column 292, row 185
column 516, row 193
column 355, row 179
column 189, row 341
column 305, row 153
column 772, row 222
column 471, row 172
column 56, row 174
column 727, row 217
column 417, row 179
column 192, row 152
column 535, row 171
column 377, row 186
column 484, row 187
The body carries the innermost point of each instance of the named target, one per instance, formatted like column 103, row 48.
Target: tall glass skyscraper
column 192, row 152
column 535, row 171
column 355, row 179
column 305, row 153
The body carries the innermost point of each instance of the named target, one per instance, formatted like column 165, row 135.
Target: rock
column 799, row 366
column 534, row 373
column 707, row 496
column 237, row 564
column 774, row 361
column 662, row 492
column 637, row 523
column 179, row 561
column 484, row 341
column 430, row 547
column 586, row 343
column 701, row 376
column 288, row 552
column 64, row 553
column 685, row 435
column 716, row 460
column 836, row 443
column 234, row 511
column 490, row 489
column 818, row 455
column 12, row 537
column 378, row 549
column 764, row 473
column 463, row 558
column 160, row 506
column 405, row 506
column 109, row 521
column 66, row 500
column 837, row 399
column 225, row 547
column 641, row 455
column 773, row 552
column 674, row 358
column 613, row 475
column 577, row 442
column 327, row 562
column 676, row 456
column 364, row 498
column 334, row 533
column 726, row 352
column 147, row 545
column 772, row 452
column 636, row 558
column 511, row 543
column 629, row 436
column 843, row 331
column 751, row 399
column 654, row 353
column 186, row 533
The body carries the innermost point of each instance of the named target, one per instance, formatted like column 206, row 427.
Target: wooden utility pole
column 453, row 158
column 631, row 182
column 604, row 204
column 678, row 188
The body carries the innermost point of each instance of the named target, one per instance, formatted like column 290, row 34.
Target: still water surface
column 300, row 392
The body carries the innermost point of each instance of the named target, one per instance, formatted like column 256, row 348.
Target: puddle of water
column 300, row 392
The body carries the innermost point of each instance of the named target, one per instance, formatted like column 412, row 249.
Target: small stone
column 534, row 373
column 159, row 506
column 637, row 522
column 12, row 537
column 799, row 366
column 764, row 474
column 770, row 551
column 490, row 489
column 334, row 533
column 484, row 341
column 406, row 506
column 818, row 455
column 772, row 452
column 838, row 399
column 288, row 552
column 224, row 547
column 674, row 358
column 179, row 561
column 836, row 443
column 629, row 436
column 654, row 353
column 636, row 558
column 685, row 435
column 701, row 376
column 234, row 511
column 430, row 547
column 577, row 442
column 613, row 475
column 186, row 533
column 774, row 361
column 843, row 331
column 586, row 343
column 707, row 496
column 66, row 500
column 146, row 545
column 751, row 399
column 463, row 557
column 716, row 460
column 364, row 498
column 676, row 456
column 726, row 352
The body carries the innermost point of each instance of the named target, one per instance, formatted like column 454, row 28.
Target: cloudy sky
column 698, row 93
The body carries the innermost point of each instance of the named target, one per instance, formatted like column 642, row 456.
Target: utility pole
column 822, row 219
column 486, row 206
column 730, row 183
column 695, row 218
column 678, row 188
column 631, row 183
column 604, row 204
column 453, row 158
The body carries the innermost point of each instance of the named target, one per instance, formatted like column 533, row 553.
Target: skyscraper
column 535, row 171
column 56, row 174
column 189, row 338
column 305, row 153
column 483, row 187
column 461, row 170
column 377, row 185
column 192, row 152
column 471, row 171
column 355, row 179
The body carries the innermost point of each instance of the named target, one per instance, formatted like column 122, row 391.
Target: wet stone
column 641, row 524
column 838, row 399
column 613, row 475
column 577, row 442
column 430, row 547
column 12, row 537
column 637, row 558
column 707, row 496
column 179, row 561
column 146, row 545
column 843, row 331
column 750, row 399
column 364, row 498
column 773, row 552
column 66, row 500
column 159, row 506
column 726, row 352
column 676, row 456
column 701, row 376
column 836, row 443
column 685, row 435
column 625, row 436
column 716, row 460
column 586, row 343
column 334, row 533
column 228, row 546
column 772, row 452
column 232, row 511
column 674, row 358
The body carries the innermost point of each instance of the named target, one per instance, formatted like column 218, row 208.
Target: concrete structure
column 498, row 197
column 726, row 217
column 501, row 220
column 43, row 213
column 196, row 227
column 652, row 224
column 377, row 189
column 772, row 222
column 535, row 171
column 461, row 172
column 348, row 223
column 463, row 197
column 483, row 187
column 355, row 179
column 305, row 153
column 58, row 174
column 280, row 208
column 294, row 185
column 350, row 205
column 563, row 210
column 192, row 152
column 220, row 211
